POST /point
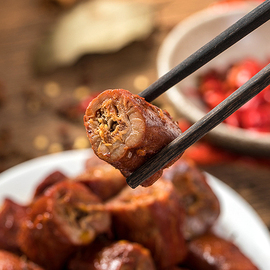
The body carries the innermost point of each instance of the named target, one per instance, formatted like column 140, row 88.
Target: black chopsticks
column 228, row 106
column 256, row 84
column 223, row 41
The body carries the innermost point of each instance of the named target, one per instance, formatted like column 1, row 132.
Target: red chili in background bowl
column 215, row 86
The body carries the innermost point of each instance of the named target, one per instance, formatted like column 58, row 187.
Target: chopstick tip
column 130, row 181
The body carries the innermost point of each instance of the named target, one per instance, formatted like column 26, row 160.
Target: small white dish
column 190, row 35
column 238, row 221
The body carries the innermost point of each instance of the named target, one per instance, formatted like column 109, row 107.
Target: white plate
column 238, row 221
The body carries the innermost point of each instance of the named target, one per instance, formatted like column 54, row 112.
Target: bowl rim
column 249, row 142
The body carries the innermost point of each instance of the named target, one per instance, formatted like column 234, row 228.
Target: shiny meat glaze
column 101, row 177
column 125, row 130
column 50, row 180
column 210, row 252
column 114, row 125
column 78, row 211
column 11, row 218
column 201, row 204
column 116, row 255
column 10, row 261
column 68, row 215
column 152, row 217
column 124, row 255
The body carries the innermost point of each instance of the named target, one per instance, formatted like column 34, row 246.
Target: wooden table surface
column 32, row 122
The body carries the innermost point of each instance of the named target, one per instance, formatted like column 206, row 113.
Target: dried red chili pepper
column 215, row 86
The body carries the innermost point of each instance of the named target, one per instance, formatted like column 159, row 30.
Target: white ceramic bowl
column 190, row 35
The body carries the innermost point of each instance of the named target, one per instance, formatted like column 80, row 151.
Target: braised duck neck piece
column 125, row 130
column 67, row 216
column 9, row 260
column 152, row 217
column 211, row 252
column 201, row 205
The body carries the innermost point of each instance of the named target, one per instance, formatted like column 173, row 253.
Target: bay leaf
column 99, row 26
